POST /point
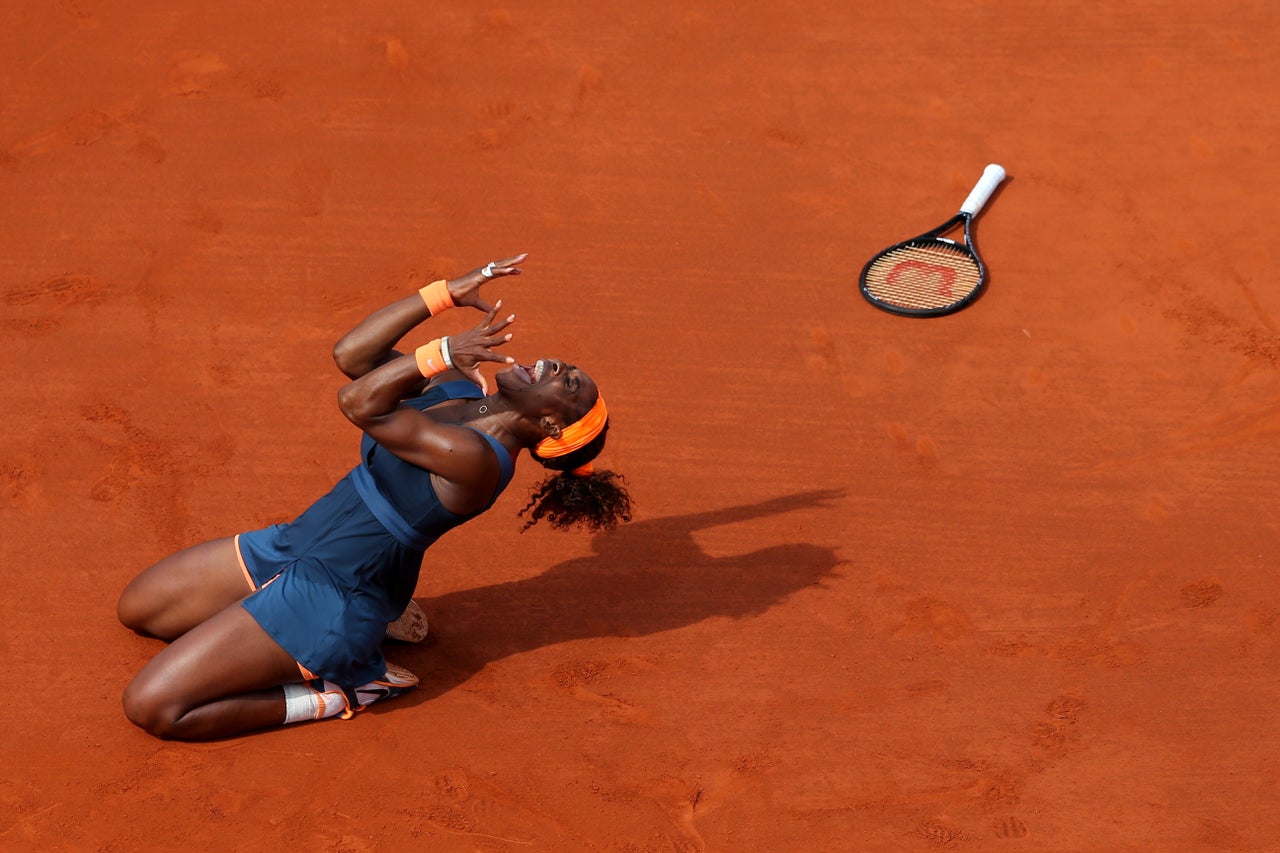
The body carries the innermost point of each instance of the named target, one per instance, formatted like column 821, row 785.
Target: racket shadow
column 644, row 578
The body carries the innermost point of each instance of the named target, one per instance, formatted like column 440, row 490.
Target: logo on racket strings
column 920, row 270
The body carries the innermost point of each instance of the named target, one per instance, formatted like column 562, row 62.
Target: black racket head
column 926, row 276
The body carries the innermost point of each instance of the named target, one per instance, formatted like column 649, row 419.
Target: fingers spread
column 491, row 326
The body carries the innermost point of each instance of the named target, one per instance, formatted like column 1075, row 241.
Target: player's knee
column 128, row 610
column 138, row 612
column 149, row 710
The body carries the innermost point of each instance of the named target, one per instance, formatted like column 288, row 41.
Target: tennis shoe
column 396, row 682
column 411, row 627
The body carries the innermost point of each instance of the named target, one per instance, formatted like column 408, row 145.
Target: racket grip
column 991, row 178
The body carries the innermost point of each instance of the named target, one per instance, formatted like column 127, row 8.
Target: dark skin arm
column 464, row 467
column 466, row 470
column 370, row 344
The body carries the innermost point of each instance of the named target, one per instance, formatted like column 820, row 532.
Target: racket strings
column 923, row 276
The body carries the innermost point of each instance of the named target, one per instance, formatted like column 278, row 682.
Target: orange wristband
column 437, row 296
column 430, row 358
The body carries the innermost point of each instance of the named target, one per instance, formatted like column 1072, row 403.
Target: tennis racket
column 929, row 275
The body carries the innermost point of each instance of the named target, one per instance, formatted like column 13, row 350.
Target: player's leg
column 183, row 590
column 221, row 678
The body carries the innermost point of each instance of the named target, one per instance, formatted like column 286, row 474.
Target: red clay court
column 1003, row 580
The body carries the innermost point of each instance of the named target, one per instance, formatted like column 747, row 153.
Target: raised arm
column 373, row 403
column 371, row 343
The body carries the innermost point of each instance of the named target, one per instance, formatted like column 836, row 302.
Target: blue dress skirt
column 327, row 583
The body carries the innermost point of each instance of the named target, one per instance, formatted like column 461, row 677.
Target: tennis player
column 285, row 624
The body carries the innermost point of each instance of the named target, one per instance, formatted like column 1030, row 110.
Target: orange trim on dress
column 307, row 675
column 253, row 587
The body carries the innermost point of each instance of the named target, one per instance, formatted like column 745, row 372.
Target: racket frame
column 992, row 175
column 933, row 235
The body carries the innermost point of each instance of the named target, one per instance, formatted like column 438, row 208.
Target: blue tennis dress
column 327, row 583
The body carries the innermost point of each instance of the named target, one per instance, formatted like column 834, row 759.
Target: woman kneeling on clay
column 285, row 624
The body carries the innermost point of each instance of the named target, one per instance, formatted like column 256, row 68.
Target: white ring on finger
column 487, row 272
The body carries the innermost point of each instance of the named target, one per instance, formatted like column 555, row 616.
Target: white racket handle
column 991, row 178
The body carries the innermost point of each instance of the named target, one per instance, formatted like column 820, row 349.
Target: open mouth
column 532, row 374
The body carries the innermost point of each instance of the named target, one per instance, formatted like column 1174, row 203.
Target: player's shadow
column 644, row 577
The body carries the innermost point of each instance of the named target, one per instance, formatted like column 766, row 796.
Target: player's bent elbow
column 353, row 405
column 345, row 359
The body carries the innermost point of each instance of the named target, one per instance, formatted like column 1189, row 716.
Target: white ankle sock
column 305, row 703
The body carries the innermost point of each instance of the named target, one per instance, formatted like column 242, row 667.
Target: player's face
column 549, row 386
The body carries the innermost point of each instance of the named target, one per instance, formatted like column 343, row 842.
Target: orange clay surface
column 1004, row 580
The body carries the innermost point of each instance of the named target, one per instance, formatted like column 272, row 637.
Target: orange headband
column 576, row 435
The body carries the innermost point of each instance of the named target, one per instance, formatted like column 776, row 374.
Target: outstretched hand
column 465, row 289
column 468, row 349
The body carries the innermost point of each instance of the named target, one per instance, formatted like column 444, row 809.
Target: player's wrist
column 433, row 357
column 437, row 296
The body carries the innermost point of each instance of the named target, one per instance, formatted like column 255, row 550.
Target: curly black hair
column 596, row 501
